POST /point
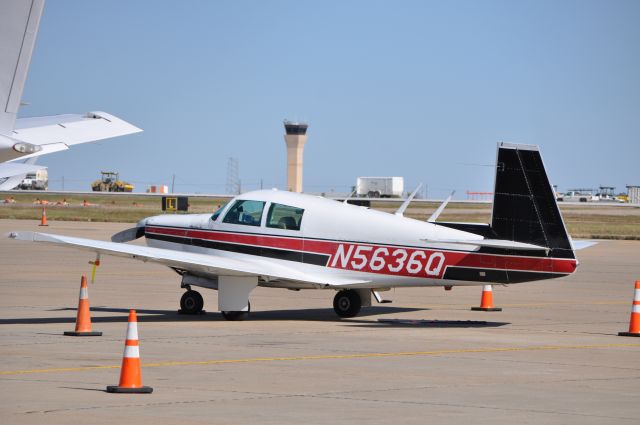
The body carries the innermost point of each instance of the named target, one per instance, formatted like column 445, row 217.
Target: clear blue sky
column 419, row 89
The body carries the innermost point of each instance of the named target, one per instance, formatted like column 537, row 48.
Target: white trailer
column 380, row 187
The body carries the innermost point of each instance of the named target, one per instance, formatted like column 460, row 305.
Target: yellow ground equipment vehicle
column 110, row 182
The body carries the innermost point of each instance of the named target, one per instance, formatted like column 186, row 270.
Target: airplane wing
column 43, row 135
column 11, row 173
column 203, row 263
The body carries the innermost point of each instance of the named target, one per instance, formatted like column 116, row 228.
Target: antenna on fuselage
column 437, row 212
column 407, row 201
column 350, row 196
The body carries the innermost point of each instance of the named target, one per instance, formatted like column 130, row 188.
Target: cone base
column 43, row 225
column 628, row 334
column 486, row 308
column 74, row 333
column 127, row 390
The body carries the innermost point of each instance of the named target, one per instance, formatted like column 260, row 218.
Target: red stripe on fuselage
column 383, row 259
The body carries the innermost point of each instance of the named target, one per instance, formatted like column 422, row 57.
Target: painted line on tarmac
column 327, row 357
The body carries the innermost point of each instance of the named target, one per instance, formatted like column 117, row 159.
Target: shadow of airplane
column 145, row 315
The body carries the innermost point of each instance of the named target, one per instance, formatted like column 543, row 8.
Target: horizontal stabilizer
column 579, row 244
column 492, row 243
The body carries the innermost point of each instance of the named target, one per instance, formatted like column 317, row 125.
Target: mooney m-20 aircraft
column 288, row 240
column 22, row 140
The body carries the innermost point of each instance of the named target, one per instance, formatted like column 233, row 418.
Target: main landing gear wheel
column 237, row 315
column 347, row 303
column 191, row 302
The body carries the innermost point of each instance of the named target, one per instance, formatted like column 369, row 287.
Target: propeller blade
column 128, row 235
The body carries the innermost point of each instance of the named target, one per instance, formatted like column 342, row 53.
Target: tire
column 237, row 315
column 191, row 302
column 347, row 303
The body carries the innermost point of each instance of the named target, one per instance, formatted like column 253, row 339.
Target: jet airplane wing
column 194, row 262
column 44, row 135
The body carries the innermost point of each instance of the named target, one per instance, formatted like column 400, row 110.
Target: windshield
column 245, row 212
column 216, row 214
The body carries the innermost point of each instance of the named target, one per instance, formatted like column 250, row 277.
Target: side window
column 284, row 217
column 248, row 213
column 215, row 215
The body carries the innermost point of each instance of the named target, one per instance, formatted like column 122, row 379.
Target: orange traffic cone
column 634, row 322
column 83, row 319
column 486, row 302
column 130, row 376
column 43, row 220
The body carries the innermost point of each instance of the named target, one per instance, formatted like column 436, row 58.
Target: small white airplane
column 288, row 240
column 24, row 139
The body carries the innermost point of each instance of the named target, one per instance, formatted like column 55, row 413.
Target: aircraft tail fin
column 524, row 203
column 19, row 22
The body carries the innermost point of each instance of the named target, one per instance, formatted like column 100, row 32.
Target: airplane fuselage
column 333, row 239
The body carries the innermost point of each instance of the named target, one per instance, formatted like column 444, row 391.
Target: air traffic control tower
column 295, row 137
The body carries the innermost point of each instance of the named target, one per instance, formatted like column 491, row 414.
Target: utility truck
column 35, row 181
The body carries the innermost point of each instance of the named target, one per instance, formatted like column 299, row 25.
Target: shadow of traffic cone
column 130, row 376
column 43, row 219
column 634, row 322
column 83, row 319
column 486, row 302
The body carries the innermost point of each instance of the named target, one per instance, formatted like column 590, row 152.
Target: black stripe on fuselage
column 496, row 276
column 280, row 254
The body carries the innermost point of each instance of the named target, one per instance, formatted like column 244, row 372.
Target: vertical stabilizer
column 19, row 22
column 524, row 203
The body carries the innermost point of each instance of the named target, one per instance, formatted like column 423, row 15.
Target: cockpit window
column 245, row 212
column 284, row 217
column 216, row 214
